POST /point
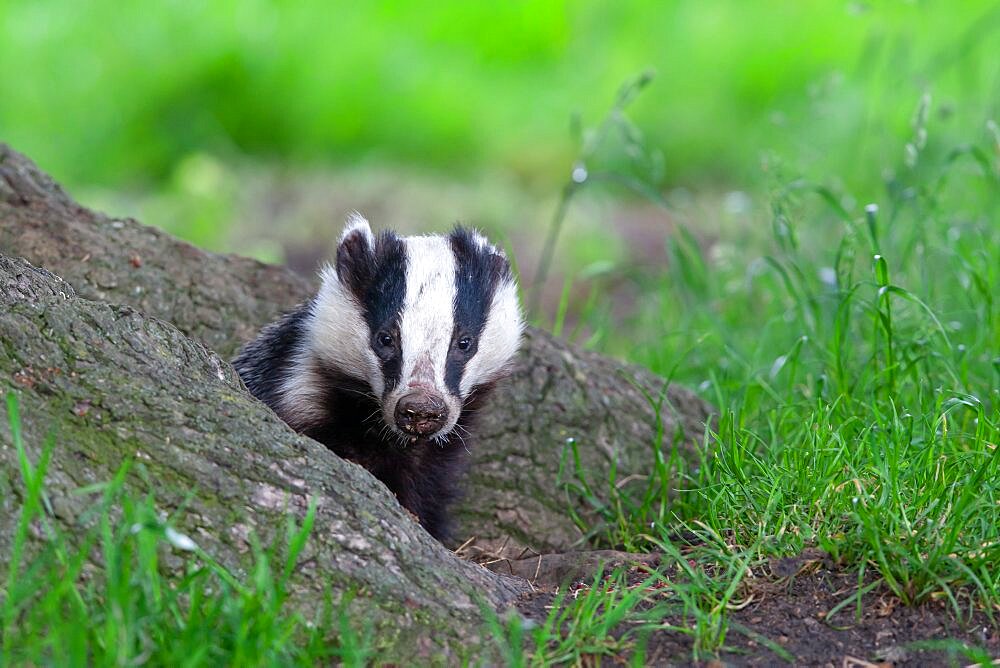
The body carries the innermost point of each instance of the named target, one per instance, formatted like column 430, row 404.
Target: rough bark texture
column 220, row 300
column 113, row 385
column 557, row 392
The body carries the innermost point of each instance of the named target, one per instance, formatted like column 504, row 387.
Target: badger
column 388, row 363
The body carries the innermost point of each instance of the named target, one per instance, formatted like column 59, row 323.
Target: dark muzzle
column 421, row 413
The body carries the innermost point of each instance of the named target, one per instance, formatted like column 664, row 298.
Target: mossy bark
column 513, row 496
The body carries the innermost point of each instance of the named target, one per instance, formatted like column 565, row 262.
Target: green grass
column 591, row 621
column 853, row 349
column 855, row 357
column 56, row 610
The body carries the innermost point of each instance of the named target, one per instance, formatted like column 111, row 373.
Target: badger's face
column 424, row 321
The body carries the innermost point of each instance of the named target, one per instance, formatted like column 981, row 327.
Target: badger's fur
column 387, row 364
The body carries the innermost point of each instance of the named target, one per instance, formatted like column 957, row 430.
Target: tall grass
column 852, row 350
column 603, row 618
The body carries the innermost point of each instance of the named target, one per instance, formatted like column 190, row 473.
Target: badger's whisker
column 368, row 394
column 461, row 440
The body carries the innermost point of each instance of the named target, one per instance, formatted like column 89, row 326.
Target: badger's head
column 424, row 321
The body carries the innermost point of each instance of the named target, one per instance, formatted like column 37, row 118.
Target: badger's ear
column 472, row 248
column 487, row 247
column 496, row 255
column 356, row 253
column 357, row 226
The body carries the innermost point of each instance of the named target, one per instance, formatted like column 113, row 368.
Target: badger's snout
column 421, row 413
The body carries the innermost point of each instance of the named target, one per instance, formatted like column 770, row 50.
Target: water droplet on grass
column 179, row 540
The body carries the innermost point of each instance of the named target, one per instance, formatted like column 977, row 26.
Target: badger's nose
column 421, row 413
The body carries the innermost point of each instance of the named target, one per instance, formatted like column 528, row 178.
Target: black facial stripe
column 477, row 273
column 264, row 363
column 377, row 278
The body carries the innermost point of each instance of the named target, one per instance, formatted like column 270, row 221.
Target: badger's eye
column 385, row 339
column 465, row 343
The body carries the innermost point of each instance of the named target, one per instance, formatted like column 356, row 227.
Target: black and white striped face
column 423, row 320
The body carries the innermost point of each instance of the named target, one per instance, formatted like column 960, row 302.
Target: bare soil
column 792, row 616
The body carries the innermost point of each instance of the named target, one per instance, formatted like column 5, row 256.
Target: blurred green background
column 118, row 94
column 253, row 126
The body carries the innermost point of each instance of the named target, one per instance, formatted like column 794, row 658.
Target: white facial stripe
column 428, row 318
column 338, row 333
column 499, row 340
column 426, row 325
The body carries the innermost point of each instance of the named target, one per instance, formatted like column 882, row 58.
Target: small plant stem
column 548, row 250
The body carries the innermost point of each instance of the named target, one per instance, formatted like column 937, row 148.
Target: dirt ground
column 790, row 608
